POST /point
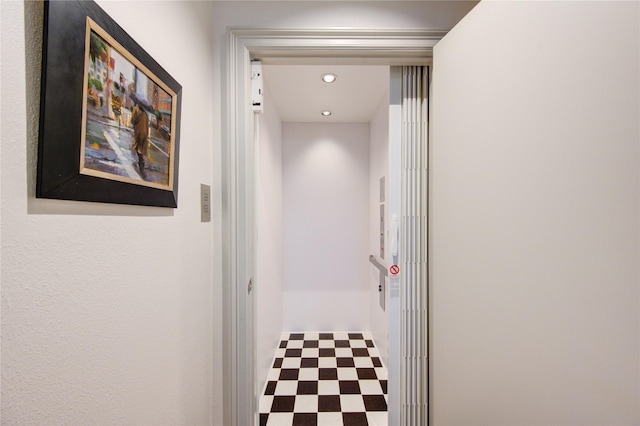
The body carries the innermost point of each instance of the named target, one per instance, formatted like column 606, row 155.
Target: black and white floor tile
column 330, row 379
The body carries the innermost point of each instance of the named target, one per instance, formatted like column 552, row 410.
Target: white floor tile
column 347, row 373
column 326, row 344
column 291, row 362
column 373, row 352
column 280, row 419
column 295, row 344
column 341, row 336
column 370, row 387
column 367, row 335
column 306, row 404
column 308, row 374
column 328, row 387
column 286, row 387
column 327, row 362
column 377, row 418
column 344, row 353
column 381, row 372
column 352, row 403
column 358, row 344
column 330, row 419
column 274, row 374
column 265, row 403
column 311, row 336
column 363, row 362
column 310, row 353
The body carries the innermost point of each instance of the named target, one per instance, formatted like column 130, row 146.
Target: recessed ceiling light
column 329, row 78
column 326, row 113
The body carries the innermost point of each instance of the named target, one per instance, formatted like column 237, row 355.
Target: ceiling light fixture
column 329, row 78
column 325, row 113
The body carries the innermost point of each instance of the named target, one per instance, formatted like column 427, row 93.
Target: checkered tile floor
column 330, row 379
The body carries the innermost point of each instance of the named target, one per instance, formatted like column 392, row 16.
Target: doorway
column 341, row 47
column 319, row 202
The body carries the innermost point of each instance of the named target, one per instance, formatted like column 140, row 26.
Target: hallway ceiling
column 300, row 95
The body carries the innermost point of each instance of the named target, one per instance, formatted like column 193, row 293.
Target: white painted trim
column 344, row 46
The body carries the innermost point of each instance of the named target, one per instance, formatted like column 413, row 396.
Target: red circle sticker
column 394, row 269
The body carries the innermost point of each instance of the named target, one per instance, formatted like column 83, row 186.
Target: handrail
column 378, row 264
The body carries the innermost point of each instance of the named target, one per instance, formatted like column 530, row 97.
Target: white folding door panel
column 408, row 373
column 534, row 217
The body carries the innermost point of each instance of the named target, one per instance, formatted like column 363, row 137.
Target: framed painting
column 109, row 113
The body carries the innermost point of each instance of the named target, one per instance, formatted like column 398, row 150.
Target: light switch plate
column 205, row 203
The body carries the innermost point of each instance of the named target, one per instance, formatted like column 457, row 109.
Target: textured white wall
column 269, row 245
column 378, row 167
column 107, row 309
column 326, row 211
column 535, row 216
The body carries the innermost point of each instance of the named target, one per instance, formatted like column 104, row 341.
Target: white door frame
column 326, row 46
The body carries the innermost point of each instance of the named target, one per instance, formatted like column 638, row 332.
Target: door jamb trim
column 343, row 46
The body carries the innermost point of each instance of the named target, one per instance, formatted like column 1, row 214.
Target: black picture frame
column 66, row 122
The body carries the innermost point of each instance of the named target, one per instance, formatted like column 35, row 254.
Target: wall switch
column 205, row 203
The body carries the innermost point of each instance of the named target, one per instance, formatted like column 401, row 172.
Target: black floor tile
column 307, row 387
column 354, row 419
column 271, row 387
column 283, row 404
column 359, row 351
column 293, row 353
column 296, row 336
column 289, row 374
column 349, row 387
column 328, row 373
column 305, row 419
column 355, row 336
column 366, row 373
column 309, row 363
column 345, row 362
column 263, row 419
column 329, row 403
column 310, row 344
column 327, row 352
column 374, row 402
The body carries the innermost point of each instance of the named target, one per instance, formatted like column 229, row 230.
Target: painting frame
column 65, row 170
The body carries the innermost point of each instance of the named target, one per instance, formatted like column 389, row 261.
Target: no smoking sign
column 394, row 270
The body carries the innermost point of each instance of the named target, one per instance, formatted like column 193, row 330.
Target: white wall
column 269, row 245
column 107, row 310
column 326, row 210
column 535, row 216
column 378, row 167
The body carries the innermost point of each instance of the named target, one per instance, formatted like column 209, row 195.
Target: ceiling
column 299, row 94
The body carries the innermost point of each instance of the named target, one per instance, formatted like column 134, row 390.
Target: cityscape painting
column 128, row 117
column 109, row 122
